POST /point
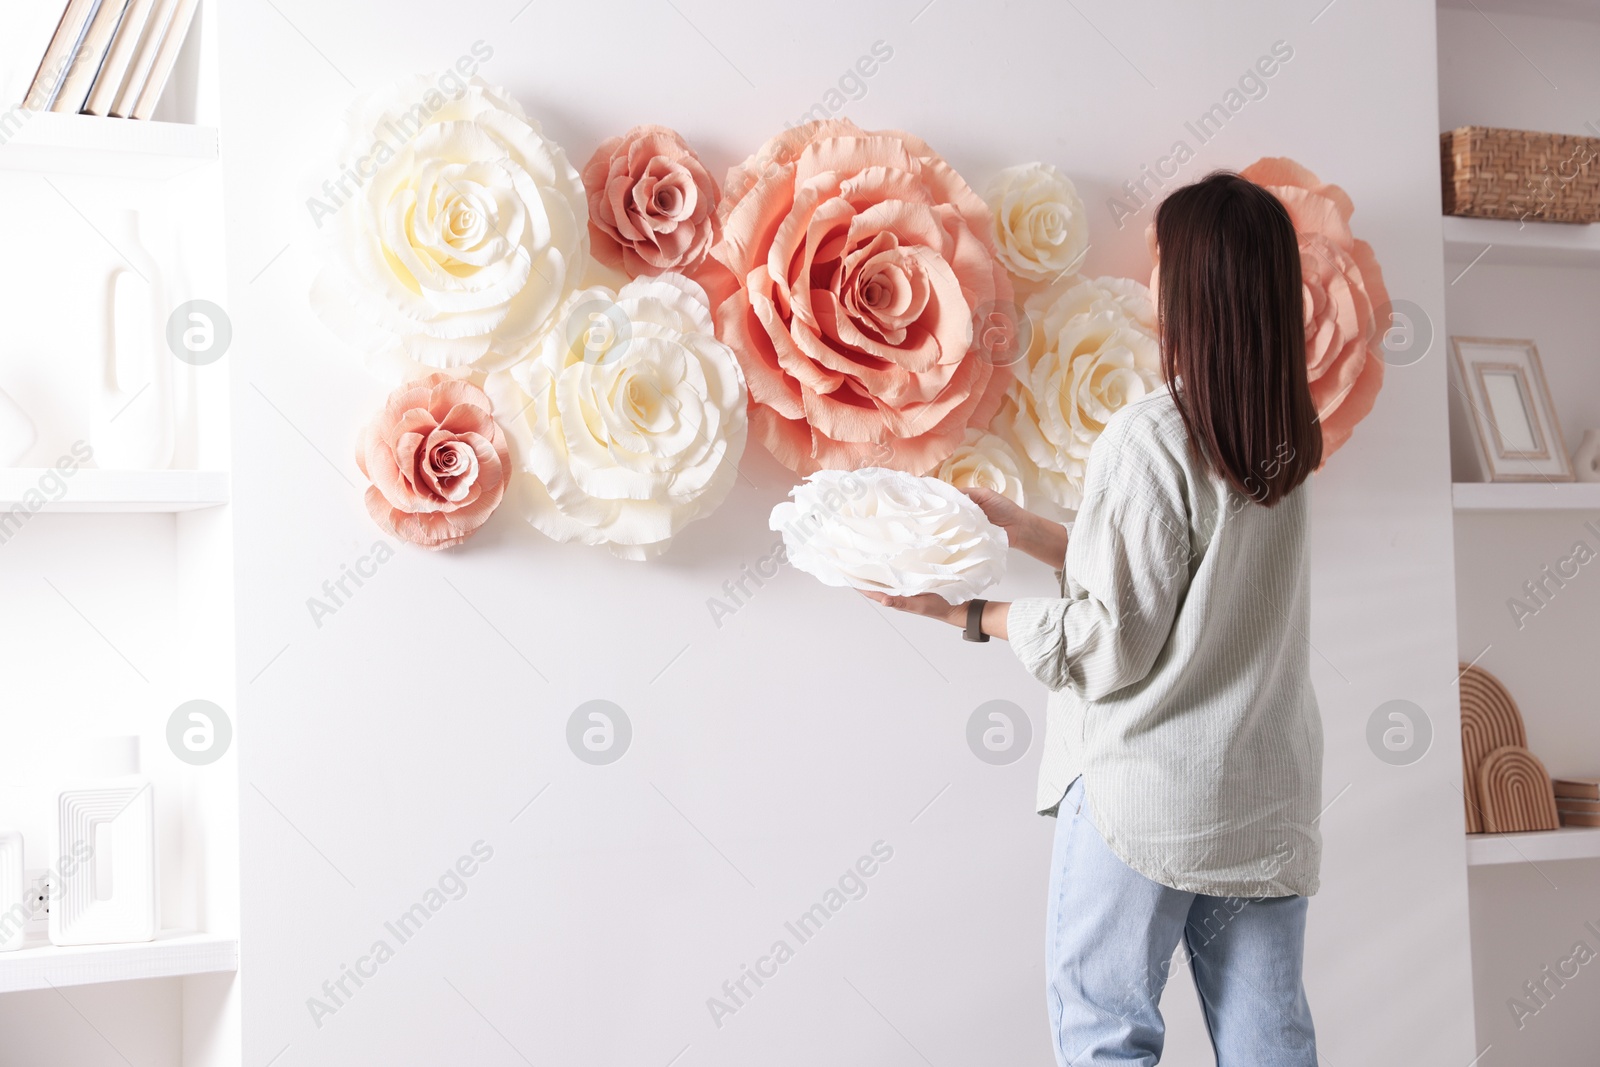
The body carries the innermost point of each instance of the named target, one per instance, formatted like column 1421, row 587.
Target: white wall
column 770, row 753
column 1528, row 916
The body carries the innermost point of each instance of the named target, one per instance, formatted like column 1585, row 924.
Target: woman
column 1183, row 749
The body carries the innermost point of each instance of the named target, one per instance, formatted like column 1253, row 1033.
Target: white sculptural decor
column 105, row 857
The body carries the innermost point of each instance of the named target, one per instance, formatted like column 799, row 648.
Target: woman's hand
column 1036, row 535
column 928, row 605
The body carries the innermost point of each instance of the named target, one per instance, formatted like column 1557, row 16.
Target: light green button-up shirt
column 1179, row 668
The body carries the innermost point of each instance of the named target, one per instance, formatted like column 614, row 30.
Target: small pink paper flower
column 652, row 204
column 1346, row 302
column 437, row 462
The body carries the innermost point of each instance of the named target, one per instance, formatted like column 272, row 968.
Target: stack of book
column 1578, row 801
column 106, row 57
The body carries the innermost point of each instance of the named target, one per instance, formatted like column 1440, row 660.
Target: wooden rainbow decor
column 1516, row 792
column 1489, row 720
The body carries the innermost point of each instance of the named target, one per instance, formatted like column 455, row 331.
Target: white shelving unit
column 1523, row 244
column 1526, row 496
column 1567, row 843
column 106, row 147
column 91, row 490
column 174, row 953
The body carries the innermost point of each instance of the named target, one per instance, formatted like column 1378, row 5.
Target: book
column 1578, row 788
column 1580, row 818
column 52, row 70
column 138, row 101
column 91, row 52
column 29, row 30
column 124, row 46
column 1574, row 804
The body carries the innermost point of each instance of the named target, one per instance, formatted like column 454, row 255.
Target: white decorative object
column 104, row 858
column 461, row 240
column 1517, row 434
column 17, row 432
column 14, row 912
column 1586, row 460
column 1041, row 230
column 984, row 460
column 891, row 532
column 627, row 420
column 132, row 426
column 1093, row 351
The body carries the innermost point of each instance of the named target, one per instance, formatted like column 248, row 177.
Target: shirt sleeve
column 1127, row 570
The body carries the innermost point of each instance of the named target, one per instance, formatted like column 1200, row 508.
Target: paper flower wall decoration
column 891, row 532
column 437, row 462
column 1346, row 301
column 1093, row 352
column 652, row 204
column 629, row 422
column 984, row 460
column 1040, row 227
column 859, row 262
column 461, row 239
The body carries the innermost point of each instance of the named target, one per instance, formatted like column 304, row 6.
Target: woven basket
column 1518, row 174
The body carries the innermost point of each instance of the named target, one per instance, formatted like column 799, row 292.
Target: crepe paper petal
column 985, row 460
column 627, row 420
column 1041, row 230
column 652, row 203
column 890, row 532
column 1347, row 303
column 450, row 231
column 437, row 462
column 850, row 270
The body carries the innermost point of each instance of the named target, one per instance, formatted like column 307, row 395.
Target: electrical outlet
column 37, row 900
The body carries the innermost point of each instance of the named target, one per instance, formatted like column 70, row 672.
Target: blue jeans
column 1109, row 948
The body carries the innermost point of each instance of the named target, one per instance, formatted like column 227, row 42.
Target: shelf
column 172, row 953
column 1526, row 496
column 50, row 143
column 1567, row 843
column 88, row 489
column 1532, row 244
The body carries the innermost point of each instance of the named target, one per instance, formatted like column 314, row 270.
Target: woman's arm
column 932, row 606
column 1036, row 535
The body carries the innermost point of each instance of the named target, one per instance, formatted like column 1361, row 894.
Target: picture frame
column 1516, row 431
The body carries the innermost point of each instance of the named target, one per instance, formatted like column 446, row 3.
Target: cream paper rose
column 627, row 421
column 985, row 460
column 1041, row 230
column 890, row 532
column 459, row 231
column 1093, row 352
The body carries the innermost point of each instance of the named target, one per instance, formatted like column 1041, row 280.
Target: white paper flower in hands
column 627, row 421
column 1040, row 227
column 461, row 233
column 890, row 532
column 985, row 460
column 1095, row 351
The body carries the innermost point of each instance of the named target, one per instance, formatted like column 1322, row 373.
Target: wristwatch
column 974, row 630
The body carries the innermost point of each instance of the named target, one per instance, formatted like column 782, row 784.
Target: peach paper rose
column 861, row 261
column 652, row 204
column 1345, row 298
column 437, row 462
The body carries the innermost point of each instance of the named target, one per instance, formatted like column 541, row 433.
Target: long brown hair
column 1233, row 344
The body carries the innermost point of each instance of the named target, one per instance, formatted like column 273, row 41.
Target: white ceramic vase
column 132, row 425
column 104, row 860
column 1586, row 460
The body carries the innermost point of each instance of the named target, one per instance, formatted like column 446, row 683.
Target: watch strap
column 974, row 630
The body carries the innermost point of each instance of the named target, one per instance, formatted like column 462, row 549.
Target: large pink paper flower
column 437, row 462
column 652, row 204
column 861, row 260
column 1346, row 302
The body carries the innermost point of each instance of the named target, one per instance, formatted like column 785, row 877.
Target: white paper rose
column 985, row 460
column 890, row 532
column 1040, row 227
column 1094, row 352
column 453, row 233
column 627, row 420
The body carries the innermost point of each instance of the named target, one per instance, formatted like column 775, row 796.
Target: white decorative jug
column 1586, row 460
column 17, row 432
column 14, row 911
column 104, row 860
column 132, row 427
